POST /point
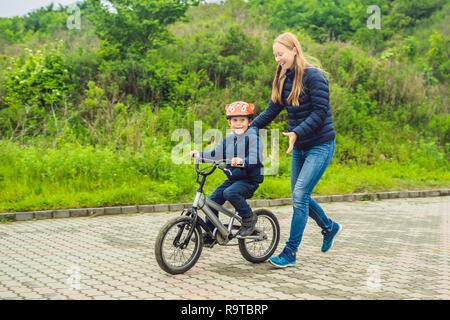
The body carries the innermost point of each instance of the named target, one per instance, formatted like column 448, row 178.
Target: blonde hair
column 289, row 40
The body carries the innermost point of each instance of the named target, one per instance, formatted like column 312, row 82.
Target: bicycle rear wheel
column 257, row 251
column 170, row 255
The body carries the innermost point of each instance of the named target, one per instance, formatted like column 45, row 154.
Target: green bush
column 36, row 84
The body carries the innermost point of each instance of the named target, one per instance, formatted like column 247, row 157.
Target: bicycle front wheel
column 170, row 254
column 257, row 251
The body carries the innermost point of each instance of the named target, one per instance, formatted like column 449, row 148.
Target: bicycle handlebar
column 216, row 164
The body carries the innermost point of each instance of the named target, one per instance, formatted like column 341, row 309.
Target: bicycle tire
column 262, row 214
column 196, row 238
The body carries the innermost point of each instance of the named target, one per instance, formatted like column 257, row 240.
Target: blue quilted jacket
column 312, row 120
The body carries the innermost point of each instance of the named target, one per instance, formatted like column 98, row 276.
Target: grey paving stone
column 393, row 194
column 383, row 195
column 160, row 207
column 129, row 209
column 431, row 193
column 322, row 199
column 21, row 216
column 147, row 208
column 349, row 197
column 7, row 216
column 275, row 202
column 359, row 196
column 337, row 197
column 176, row 207
column 286, row 201
column 61, row 214
column 403, row 194
column 413, row 194
column 43, row 215
column 113, row 210
column 8, row 295
column 95, row 211
column 79, row 212
column 187, row 205
column 262, row 203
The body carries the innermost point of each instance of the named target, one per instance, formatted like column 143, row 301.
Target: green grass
column 71, row 176
column 384, row 176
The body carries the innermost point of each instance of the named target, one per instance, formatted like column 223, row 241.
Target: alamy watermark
column 74, row 279
column 374, row 21
column 373, row 280
column 74, row 19
column 180, row 152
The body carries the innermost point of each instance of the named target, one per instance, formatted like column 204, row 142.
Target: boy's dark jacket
column 312, row 120
column 247, row 146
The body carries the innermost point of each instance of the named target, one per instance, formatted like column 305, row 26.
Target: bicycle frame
column 205, row 205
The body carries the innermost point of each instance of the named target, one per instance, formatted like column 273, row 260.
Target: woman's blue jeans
column 307, row 167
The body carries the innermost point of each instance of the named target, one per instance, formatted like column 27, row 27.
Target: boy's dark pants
column 235, row 192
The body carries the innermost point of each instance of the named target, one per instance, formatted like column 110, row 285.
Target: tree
column 37, row 84
column 438, row 57
column 136, row 25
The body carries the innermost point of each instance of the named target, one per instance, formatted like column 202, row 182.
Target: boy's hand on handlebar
column 237, row 162
column 292, row 138
column 194, row 154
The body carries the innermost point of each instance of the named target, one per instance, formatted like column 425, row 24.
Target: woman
column 303, row 91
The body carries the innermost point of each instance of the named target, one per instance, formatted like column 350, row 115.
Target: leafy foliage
column 96, row 109
column 37, row 83
column 137, row 25
column 345, row 19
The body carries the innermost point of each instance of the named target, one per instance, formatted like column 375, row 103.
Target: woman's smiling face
column 283, row 55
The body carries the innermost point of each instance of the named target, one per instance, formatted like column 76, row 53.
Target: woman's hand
column 292, row 138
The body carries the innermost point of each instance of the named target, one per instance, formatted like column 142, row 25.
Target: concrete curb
column 149, row 208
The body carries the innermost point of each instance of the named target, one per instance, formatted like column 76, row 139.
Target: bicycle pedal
column 209, row 244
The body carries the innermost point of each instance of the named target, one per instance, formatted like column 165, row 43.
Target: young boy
column 242, row 151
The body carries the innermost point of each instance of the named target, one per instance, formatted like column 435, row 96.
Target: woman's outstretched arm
column 266, row 117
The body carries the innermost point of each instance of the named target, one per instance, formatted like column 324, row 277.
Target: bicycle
column 182, row 237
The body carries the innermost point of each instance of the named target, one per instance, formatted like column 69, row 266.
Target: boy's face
column 239, row 124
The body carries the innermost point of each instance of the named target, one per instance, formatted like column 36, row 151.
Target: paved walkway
column 388, row 249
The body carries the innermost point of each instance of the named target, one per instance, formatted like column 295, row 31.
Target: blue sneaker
column 328, row 236
column 285, row 259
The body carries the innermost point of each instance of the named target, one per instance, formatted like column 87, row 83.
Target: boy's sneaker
column 328, row 236
column 248, row 225
column 285, row 259
column 208, row 241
